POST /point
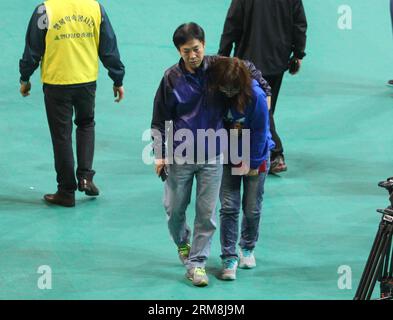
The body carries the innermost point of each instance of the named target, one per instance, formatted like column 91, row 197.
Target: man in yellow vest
column 68, row 37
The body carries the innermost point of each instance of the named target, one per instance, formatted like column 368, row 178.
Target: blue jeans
column 230, row 197
column 177, row 196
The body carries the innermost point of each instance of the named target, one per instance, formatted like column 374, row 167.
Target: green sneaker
column 184, row 252
column 198, row 276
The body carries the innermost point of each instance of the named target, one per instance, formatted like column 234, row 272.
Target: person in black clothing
column 271, row 34
column 79, row 33
column 390, row 82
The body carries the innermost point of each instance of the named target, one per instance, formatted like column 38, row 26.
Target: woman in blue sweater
column 247, row 116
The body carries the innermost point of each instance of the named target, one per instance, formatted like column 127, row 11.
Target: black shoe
column 390, row 83
column 88, row 187
column 60, row 199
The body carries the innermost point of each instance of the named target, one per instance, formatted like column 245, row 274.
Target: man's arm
column 34, row 44
column 109, row 52
column 162, row 112
column 299, row 30
column 257, row 75
column 233, row 28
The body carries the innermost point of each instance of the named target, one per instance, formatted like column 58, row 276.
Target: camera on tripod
column 388, row 185
column 379, row 265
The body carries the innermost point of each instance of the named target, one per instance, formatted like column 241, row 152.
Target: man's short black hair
column 186, row 32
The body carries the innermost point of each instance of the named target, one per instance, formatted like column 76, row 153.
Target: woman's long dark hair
column 232, row 72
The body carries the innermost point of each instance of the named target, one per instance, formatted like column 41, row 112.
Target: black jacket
column 265, row 32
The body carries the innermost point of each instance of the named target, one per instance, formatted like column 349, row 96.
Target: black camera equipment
column 164, row 173
column 379, row 265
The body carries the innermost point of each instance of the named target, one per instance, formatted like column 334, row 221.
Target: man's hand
column 160, row 164
column 298, row 65
column 25, row 88
column 299, row 62
column 241, row 171
column 253, row 173
column 118, row 93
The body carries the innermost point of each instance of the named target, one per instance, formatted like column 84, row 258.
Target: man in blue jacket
column 182, row 99
column 79, row 32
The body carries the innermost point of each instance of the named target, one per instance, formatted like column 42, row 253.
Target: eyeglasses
column 229, row 91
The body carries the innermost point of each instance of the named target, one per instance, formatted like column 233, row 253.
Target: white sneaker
column 247, row 259
column 229, row 267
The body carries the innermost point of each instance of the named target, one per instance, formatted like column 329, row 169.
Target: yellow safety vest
column 72, row 40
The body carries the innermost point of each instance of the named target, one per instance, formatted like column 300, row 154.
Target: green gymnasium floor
column 335, row 121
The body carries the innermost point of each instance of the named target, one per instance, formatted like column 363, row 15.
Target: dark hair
column 232, row 72
column 187, row 32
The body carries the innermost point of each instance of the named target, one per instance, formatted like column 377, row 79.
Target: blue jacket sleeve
column 109, row 52
column 163, row 110
column 34, row 44
column 259, row 130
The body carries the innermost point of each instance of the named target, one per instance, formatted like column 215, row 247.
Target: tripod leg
column 370, row 262
column 390, row 274
column 381, row 255
column 385, row 269
column 386, row 282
